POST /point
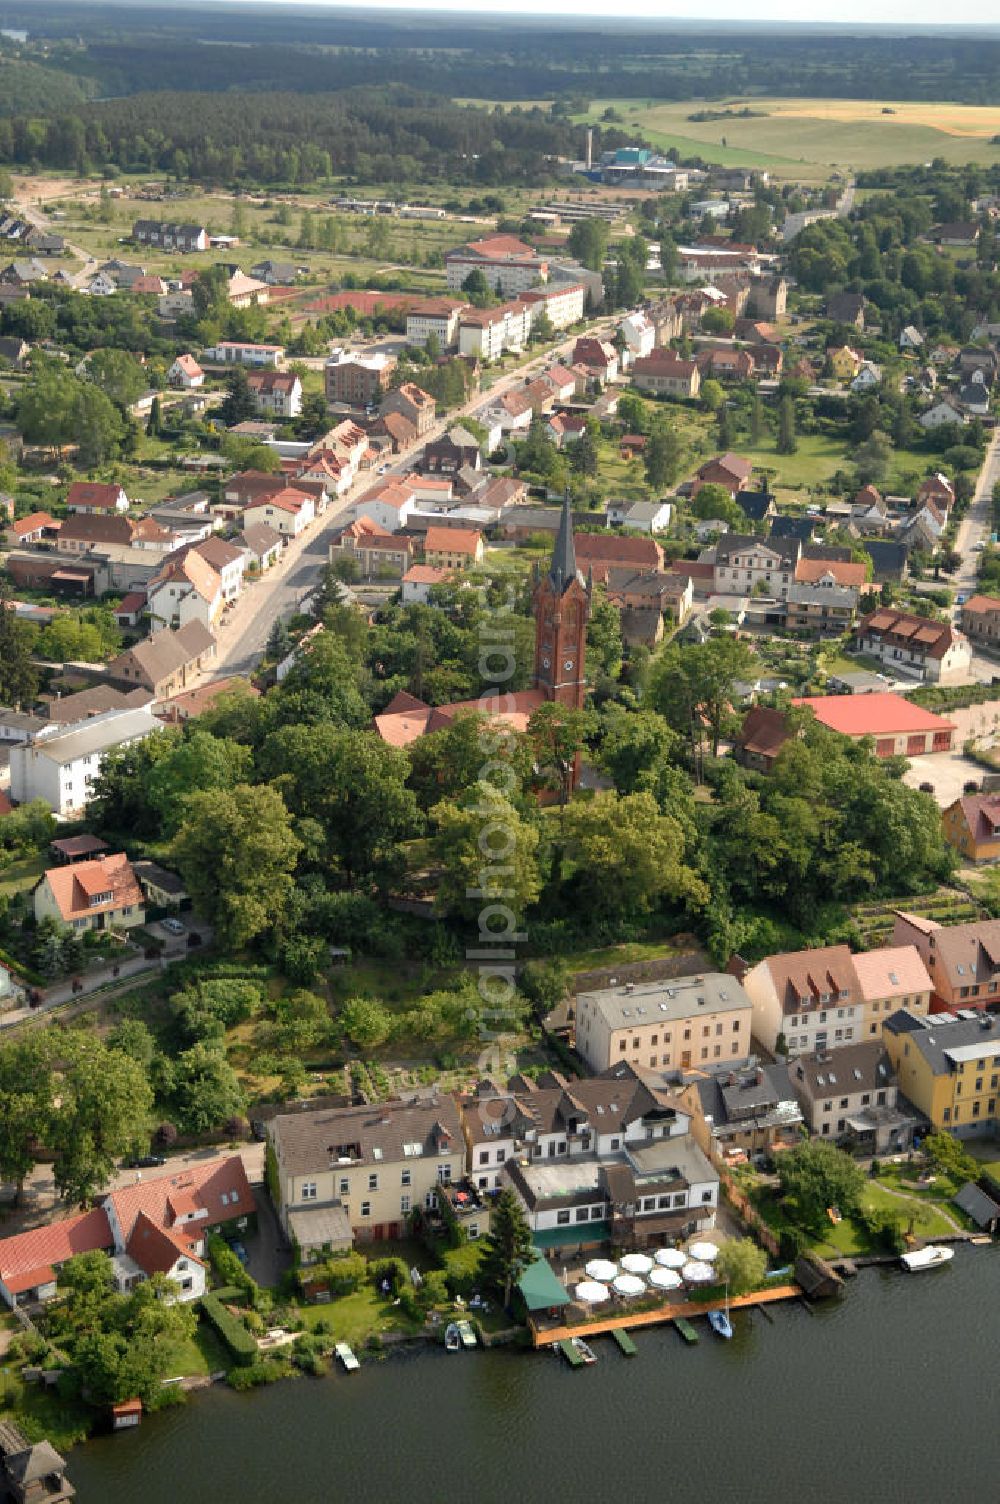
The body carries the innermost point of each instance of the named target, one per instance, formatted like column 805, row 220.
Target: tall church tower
column 562, row 608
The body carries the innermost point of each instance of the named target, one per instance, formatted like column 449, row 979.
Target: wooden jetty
column 685, row 1328
column 546, row 1336
column 624, row 1341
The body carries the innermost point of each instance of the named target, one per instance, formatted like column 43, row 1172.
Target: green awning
column 540, row 1289
column 574, row 1236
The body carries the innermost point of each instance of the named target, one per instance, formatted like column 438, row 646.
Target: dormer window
column 96, row 899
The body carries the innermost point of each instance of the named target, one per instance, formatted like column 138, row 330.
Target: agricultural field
column 827, row 133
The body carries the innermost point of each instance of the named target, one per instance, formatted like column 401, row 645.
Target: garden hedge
column 232, row 1331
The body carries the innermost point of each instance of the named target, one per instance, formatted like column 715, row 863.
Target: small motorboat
column 466, row 1333
column 583, row 1352
column 452, row 1338
column 346, row 1357
column 930, row 1257
column 720, row 1324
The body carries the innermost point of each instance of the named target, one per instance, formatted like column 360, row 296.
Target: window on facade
column 373, row 1182
column 706, row 1195
column 444, row 1174
column 826, row 1127
column 483, row 1183
column 406, row 1177
column 680, row 1199
column 404, row 1204
column 309, row 1190
column 501, row 1156
column 582, row 1213
column 484, row 1156
column 736, row 1025
column 562, row 1218
column 616, row 1143
column 366, row 1208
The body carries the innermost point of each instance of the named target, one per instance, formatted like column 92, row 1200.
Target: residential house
column 235, row 352
column 725, row 364
column 566, row 428
column 59, row 764
column 639, row 334
column 82, row 532
column 154, row 1226
column 757, row 506
column 67, row 710
column 390, row 503
column 910, row 338
column 452, row 453
column 746, row 1111
column 24, row 273
column 810, row 999
column 761, row 737
column 663, row 373
column 981, row 619
column 729, row 470
column 358, row 379
column 412, row 403
column 14, row 352
column 938, row 490
column 847, row 308
column 867, row 377
column 891, row 977
column 851, row 1097
column 96, row 496
column 597, row 357
column 170, row 237
column 288, row 511
column 379, row 553
column 611, row 1160
column 843, row 362
column 944, row 413
column 962, row 960
column 955, row 232
column 261, row 544
column 606, row 550
column 641, row 516
column 227, row 559
column 975, row 397
column 949, row 1068
column 898, row 727
column 359, row 1173
column 485, row 333
column 35, row 528
column 186, row 372
column 175, row 305
column 418, row 582
column 185, row 707
column 890, row 561
column 743, row 561
column 275, row 273
column 769, row 298
column 453, row 547
column 186, row 589
column 246, row 292
column 277, row 392
column 677, row 1024
column 927, row 649
column 823, row 610
column 101, row 894
column 165, row 662
column 972, row 825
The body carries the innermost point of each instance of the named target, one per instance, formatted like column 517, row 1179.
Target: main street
column 242, row 635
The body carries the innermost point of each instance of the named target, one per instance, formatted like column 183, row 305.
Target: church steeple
column 562, row 606
column 563, row 567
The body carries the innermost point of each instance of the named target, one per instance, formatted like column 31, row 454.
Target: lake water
column 886, row 1395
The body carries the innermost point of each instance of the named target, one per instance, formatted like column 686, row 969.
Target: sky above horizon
column 846, row 12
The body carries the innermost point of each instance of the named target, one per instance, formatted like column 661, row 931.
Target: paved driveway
column 947, row 771
column 268, row 1253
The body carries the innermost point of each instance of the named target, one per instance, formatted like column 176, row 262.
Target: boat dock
column 546, row 1336
column 686, row 1330
column 569, row 1352
column 624, row 1341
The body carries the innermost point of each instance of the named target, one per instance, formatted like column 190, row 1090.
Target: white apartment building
column 438, row 317
column 60, row 765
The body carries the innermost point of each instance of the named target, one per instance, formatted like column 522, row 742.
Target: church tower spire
column 562, row 608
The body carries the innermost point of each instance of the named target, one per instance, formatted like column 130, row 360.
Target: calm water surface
column 887, row 1395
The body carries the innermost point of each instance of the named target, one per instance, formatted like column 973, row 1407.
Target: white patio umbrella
column 601, row 1269
column 637, row 1263
column 629, row 1285
column 705, row 1253
column 592, row 1292
column 697, row 1273
column 665, row 1279
column 671, row 1258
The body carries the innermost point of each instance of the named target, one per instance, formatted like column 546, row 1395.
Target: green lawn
column 203, row 1354
column 353, row 1318
column 21, row 877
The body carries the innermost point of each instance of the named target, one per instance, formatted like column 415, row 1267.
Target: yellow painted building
column 949, row 1068
column 972, row 826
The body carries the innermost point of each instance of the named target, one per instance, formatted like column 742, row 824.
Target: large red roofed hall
column 897, row 725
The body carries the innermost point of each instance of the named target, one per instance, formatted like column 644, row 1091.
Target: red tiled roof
column 33, row 522
column 455, row 540
column 156, row 1249
column 74, row 887
column 873, row 715
column 88, row 493
column 31, row 1258
column 197, row 1186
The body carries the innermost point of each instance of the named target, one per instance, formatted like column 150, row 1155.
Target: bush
column 228, row 1268
column 234, row 1334
column 392, row 1269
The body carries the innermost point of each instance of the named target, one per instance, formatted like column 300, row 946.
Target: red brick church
column 561, row 604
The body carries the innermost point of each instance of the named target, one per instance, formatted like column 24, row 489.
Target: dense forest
column 121, row 49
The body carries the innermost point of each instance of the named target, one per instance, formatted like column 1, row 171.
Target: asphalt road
column 243, row 633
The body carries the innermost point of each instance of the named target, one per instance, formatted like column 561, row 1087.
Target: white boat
column 346, row 1357
column 466, row 1333
column 452, row 1338
column 930, row 1257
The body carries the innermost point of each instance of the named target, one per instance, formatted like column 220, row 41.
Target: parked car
column 240, row 1253
column 145, row 1161
column 173, row 926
